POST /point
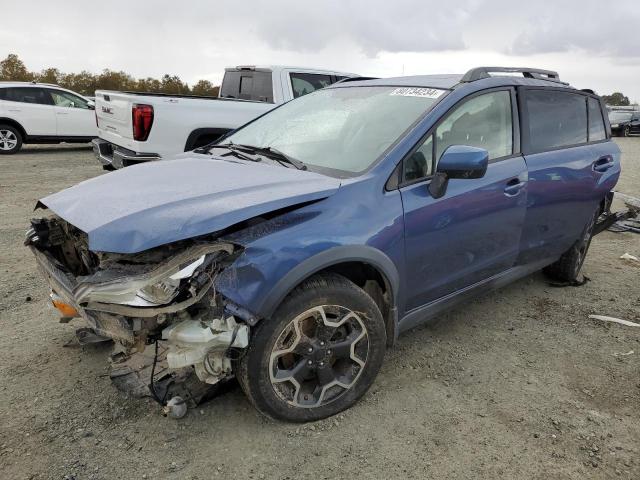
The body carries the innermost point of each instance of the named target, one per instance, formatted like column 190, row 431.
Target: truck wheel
column 10, row 140
column 568, row 267
column 317, row 355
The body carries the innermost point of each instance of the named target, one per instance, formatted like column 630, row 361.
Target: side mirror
column 458, row 161
column 91, row 106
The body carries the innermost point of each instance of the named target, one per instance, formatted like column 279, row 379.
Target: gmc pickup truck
column 139, row 127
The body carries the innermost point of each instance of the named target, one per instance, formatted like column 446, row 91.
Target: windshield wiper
column 237, row 152
column 270, row 152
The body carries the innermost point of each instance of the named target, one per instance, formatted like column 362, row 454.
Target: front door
column 74, row 118
column 473, row 231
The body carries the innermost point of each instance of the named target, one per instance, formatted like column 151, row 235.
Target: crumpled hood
column 156, row 203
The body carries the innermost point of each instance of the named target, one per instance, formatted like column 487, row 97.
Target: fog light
column 66, row 310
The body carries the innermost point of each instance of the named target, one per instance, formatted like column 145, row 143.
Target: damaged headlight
column 158, row 288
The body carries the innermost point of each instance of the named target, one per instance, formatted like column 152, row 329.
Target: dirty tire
column 336, row 295
column 567, row 268
column 10, row 140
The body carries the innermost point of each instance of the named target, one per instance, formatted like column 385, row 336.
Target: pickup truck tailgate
column 113, row 110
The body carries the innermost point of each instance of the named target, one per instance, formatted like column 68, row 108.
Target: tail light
column 142, row 116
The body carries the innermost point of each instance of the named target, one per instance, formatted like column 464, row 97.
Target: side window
column 303, row 83
column 27, row 95
column 484, row 121
column 596, row 122
column 66, row 99
column 556, row 119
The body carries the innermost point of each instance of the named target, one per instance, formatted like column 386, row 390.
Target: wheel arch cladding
column 267, row 293
column 14, row 124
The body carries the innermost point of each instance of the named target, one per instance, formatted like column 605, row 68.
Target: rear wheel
column 567, row 268
column 10, row 140
column 319, row 353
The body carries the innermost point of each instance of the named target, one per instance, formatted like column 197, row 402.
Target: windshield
column 616, row 117
column 339, row 130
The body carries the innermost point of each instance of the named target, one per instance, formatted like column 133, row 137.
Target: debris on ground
column 630, row 258
column 605, row 318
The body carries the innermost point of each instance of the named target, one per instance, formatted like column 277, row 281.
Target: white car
column 139, row 127
column 43, row 113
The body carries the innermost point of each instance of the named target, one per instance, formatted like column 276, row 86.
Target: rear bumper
column 111, row 155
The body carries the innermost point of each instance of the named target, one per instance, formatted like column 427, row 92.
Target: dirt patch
column 519, row 384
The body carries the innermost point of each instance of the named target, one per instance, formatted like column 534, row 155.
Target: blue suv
column 291, row 253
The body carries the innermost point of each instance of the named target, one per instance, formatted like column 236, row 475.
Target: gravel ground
column 519, row 384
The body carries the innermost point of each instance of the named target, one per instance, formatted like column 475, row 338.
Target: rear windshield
column 247, row 85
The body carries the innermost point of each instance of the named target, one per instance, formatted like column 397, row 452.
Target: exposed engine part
column 203, row 344
column 175, row 408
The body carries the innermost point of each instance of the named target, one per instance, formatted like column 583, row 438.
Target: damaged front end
column 165, row 294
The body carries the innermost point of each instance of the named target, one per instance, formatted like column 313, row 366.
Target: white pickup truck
column 139, row 127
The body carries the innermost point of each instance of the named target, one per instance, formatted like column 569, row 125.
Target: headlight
column 156, row 288
column 615, row 125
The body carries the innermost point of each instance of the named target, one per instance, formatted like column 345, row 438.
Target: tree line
column 86, row 83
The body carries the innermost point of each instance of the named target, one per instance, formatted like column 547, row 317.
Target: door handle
column 513, row 187
column 62, row 113
column 603, row 164
column 14, row 110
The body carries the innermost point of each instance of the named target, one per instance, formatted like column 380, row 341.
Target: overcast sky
column 592, row 43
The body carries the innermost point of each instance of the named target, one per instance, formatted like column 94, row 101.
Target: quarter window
column 556, row 119
column 304, row 83
column 596, row 122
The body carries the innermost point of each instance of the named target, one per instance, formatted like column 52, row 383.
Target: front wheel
column 10, row 140
column 317, row 355
column 626, row 131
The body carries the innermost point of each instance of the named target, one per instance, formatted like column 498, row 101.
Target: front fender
column 248, row 284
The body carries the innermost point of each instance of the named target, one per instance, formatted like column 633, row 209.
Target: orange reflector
column 65, row 309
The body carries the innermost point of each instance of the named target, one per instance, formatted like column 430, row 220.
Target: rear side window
column 596, row 121
column 25, row 95
column 248, row 85
column 304, row 83
column 556, row 119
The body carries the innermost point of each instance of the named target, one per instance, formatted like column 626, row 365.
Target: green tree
column 173, row 84
column 12, row 68
column 148, row 84
column 49, row 75
column 83, row 82
column 204, row 88
column 616, row 99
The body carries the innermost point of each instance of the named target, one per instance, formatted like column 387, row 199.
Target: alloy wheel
column 8, row 140
column 319, row 356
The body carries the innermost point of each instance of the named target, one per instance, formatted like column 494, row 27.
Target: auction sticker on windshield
column 417, row 92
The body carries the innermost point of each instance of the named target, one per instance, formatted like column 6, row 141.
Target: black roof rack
column 479, row 73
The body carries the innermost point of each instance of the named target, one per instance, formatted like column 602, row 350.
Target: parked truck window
column 305, row 83
column 484, row 121
column 596, row 122
column 247, row 85
column 556, row 119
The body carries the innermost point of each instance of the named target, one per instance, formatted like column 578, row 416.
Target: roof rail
column 479, row 73
column 356, row 79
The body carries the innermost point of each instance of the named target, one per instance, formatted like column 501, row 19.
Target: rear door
column 635, row 123
column 473, row 231
column 32, row 108
column 567, row 173
column 74, row 118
